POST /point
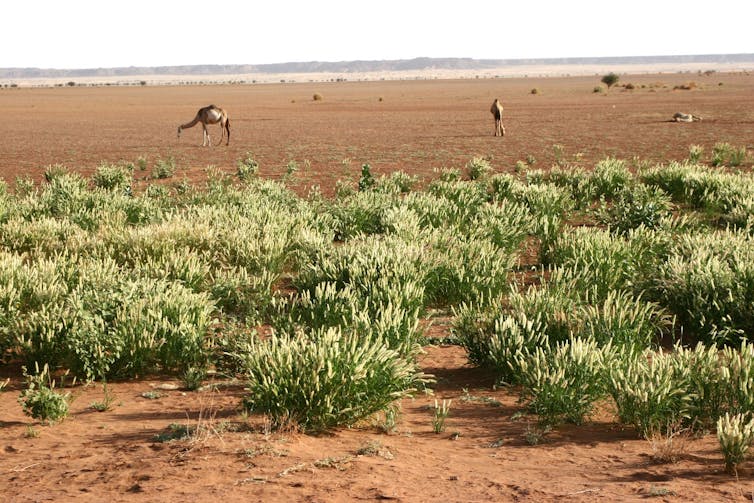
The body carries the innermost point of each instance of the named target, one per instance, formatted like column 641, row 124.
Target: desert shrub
column 610, row 79
column 42, row 236
column 622, row 321
column 366, row 180
column 465, row 270
column 511, row 336
column 361, row 213
column 398, row 182
column 113, row 177
column 101, row 321
column 610, row 177
column 562, row 383
column 376, row 315
column 695, row 153
column 712, row 386
column 247, row 167
column 735, row 435
column 238, row 292
column 709, row 284
column 725, row 154
column 63, row 195
column 502, row 186
column 596, row 260
column 324, row 380
column 164, row 168
column 372, row 268
column 641, row 205
column 317, row 97
column 649, row 391
column 478, row 167
column 506, row 225
column 493, row 332
column 737, row 366
column 576, row 181
column 40, row 400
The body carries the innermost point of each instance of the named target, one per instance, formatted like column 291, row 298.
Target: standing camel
column 209, row 115
column 497, row 112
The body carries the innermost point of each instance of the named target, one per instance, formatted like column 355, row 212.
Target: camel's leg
column 206, row 135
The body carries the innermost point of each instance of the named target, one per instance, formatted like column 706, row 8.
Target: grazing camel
column 497, row 112
column 681, row 117
column 209, row 115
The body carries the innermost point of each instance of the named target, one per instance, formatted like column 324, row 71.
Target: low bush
column 325, row 379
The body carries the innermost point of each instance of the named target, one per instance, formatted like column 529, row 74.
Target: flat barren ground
column 415, row 126
column 486, row 453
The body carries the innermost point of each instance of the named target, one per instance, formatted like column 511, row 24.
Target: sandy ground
column 485, row 453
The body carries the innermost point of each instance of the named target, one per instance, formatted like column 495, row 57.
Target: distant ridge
column 414, row 64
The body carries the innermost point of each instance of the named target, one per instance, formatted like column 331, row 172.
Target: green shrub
column 562, row 383
column 478, row 168
column 623, row 321
column 40, row 400
column 650, row 392
column 113, row 177
column 695, row 153
column 247, row 168
column 641, row 205
column 735, row 434
column 709, row 284
column 610, row 177
column 325, row 380
column 164, row 168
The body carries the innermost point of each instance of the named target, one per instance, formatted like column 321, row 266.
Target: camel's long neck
column 190, row 124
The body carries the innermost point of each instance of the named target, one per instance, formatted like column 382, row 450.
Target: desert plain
column 417, row 126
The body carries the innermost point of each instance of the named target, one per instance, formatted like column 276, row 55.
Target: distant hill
column 364, row 66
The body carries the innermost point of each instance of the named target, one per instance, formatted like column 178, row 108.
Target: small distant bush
column 597, row 89
column 610, row 79
column 317, row 97
column 164, row 168
column 113, row 177
column 534, row 91
column 695, row 153
column 366, row 181
column 478, row 167
column 247, row 167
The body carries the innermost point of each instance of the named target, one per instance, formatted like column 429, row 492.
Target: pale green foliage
column 610, row 177
column 562, row 383
column 478, row 167
column 735, row 434
column 709, row 283
column 650, row 392
column 325, row 379
column 113, row 177
column 441, row 413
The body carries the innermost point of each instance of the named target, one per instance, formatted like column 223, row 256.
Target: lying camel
column 681, row 117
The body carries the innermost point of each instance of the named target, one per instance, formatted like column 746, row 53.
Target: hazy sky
column 99, row 33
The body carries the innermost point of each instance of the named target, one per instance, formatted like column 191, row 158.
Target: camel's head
column 179, row 131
